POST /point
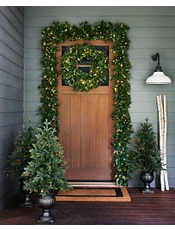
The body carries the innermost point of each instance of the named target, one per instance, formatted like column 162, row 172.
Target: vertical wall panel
column 11, row 90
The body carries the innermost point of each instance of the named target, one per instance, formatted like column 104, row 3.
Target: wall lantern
column 158, row 76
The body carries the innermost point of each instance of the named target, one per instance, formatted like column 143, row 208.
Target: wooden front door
column 86, row 127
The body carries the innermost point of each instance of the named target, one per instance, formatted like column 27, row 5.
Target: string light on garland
column 78, row 79
column 117, row 33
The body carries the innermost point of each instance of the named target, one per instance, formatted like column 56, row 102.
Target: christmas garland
column 78, row 79
column 117, row 33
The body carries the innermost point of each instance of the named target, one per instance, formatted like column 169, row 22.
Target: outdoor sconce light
column 158, row 76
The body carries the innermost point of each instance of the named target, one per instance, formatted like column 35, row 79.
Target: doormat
column 95, row 195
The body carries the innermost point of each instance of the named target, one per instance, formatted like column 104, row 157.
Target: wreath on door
column 78, row 79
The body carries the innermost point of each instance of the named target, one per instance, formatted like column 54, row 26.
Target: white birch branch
column 165, row 140
column 160, row 114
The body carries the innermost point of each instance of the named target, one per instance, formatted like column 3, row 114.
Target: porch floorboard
column 144, row 209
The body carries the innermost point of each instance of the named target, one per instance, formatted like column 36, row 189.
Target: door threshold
column 92, row 184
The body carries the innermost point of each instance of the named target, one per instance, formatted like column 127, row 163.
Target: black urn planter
column 147, row 178
column 27, row 202
column 46, row 203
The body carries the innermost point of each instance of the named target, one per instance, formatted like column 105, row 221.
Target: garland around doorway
column 49, row 108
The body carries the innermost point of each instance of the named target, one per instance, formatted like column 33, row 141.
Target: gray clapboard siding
column 171, row 181
column 33, row 63
column 148, row 52
column 32, row 85
column 11, row 29
column 10, row 131
column 34, row 118
column 141, row 75
column 144, row 63
column 11, row 42
column 171, row 161
column 139, row 86
column 20, row 6
column 99, row 10
column 11, row 55
column 2, row 166
column 31, row 75
column 5, row 146
column 140, row 116
column 33, row 32
column 10, row 118
column 171, row 173
column 152, row 43
column 13, row 93
column 171, row 127
column 170, row 88
column 141, row 107
column 33, row 53
column 137, row 21
column 31, row 106
column 170, row 149
column 10, row 67
column 156, row 32
column 19, row 14
column 170, row 139
column 136, row 118
column 152, row 30
column 146, row 96
column 11, row 90
column 10, row 80
column 8, row 105
column 33, row 43
column 13, row 19
column 32, row 95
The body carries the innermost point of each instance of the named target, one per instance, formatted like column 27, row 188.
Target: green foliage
column 47, row 166
column 78, row 79
column 146, row 154
column 117, row 33
column 20, row 157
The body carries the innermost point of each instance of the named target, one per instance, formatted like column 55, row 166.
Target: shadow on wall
column 10, row 187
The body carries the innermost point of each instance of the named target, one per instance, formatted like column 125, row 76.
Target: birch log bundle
column 162, row 115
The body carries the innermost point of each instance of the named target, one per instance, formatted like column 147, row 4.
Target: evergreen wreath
column 78, row 79
column 117, row 33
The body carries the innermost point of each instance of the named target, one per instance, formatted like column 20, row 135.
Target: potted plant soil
column 19, row 159
column 46, row 169
column 146, row 155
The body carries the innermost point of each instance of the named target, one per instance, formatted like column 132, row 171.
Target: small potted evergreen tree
column 19, row 159
column 146, row 156
column 46, row 169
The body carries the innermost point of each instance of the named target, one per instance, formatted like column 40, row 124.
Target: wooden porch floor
column 144, row 209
